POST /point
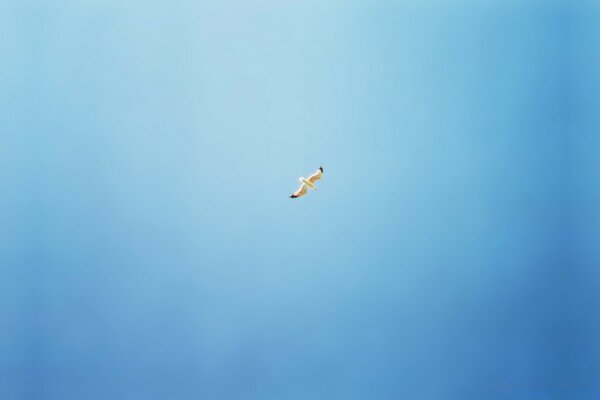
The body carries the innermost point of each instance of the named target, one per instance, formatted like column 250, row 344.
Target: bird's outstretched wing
column 300, row 192
column 316, row 176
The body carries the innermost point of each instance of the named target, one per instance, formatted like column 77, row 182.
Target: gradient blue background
column 149, row 250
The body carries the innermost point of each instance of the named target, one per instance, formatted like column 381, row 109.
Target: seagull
column 307, row 183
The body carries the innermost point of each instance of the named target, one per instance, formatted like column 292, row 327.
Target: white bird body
column 307, row 183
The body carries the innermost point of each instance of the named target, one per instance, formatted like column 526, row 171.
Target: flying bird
column 307, row 183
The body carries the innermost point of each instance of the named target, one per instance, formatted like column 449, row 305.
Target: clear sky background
column 149, row 250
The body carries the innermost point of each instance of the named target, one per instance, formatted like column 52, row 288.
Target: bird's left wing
column 300, row 192
column 316, row 176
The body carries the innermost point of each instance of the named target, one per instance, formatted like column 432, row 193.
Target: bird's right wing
column 316, row 176
column 300, row 192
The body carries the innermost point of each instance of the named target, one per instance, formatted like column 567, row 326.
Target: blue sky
column 149, row 249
